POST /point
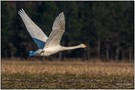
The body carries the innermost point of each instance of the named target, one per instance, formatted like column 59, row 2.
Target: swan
column 47, row 45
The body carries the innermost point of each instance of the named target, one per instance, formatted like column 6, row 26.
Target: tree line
column 106, row 27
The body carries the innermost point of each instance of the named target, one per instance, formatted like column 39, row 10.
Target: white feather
column 52, row 45
column 36, row 33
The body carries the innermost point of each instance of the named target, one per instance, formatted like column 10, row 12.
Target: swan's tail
column 31, row 53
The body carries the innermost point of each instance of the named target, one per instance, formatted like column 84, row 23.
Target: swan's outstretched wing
column 36, row 33
column 57, row 31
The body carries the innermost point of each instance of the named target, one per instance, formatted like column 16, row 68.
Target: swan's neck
column 72, row 47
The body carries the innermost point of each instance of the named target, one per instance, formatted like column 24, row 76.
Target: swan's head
column 83, row 46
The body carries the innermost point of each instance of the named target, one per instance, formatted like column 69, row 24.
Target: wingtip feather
column 62, row 13
column 21, row 11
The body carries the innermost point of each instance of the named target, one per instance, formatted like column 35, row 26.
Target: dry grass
column 72, row 67
column 66, row 74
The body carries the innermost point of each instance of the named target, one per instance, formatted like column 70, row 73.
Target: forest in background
column 107, row 28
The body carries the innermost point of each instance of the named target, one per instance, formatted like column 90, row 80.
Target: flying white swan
column 47, row 45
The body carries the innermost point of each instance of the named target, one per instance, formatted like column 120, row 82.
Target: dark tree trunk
column 107, row 51
column 123, row 55
column 5, row 53
column 88, row 52
column 130, row 53
column 12, row 54
column 60, row 56
column 117, row 53
column 98, row 48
